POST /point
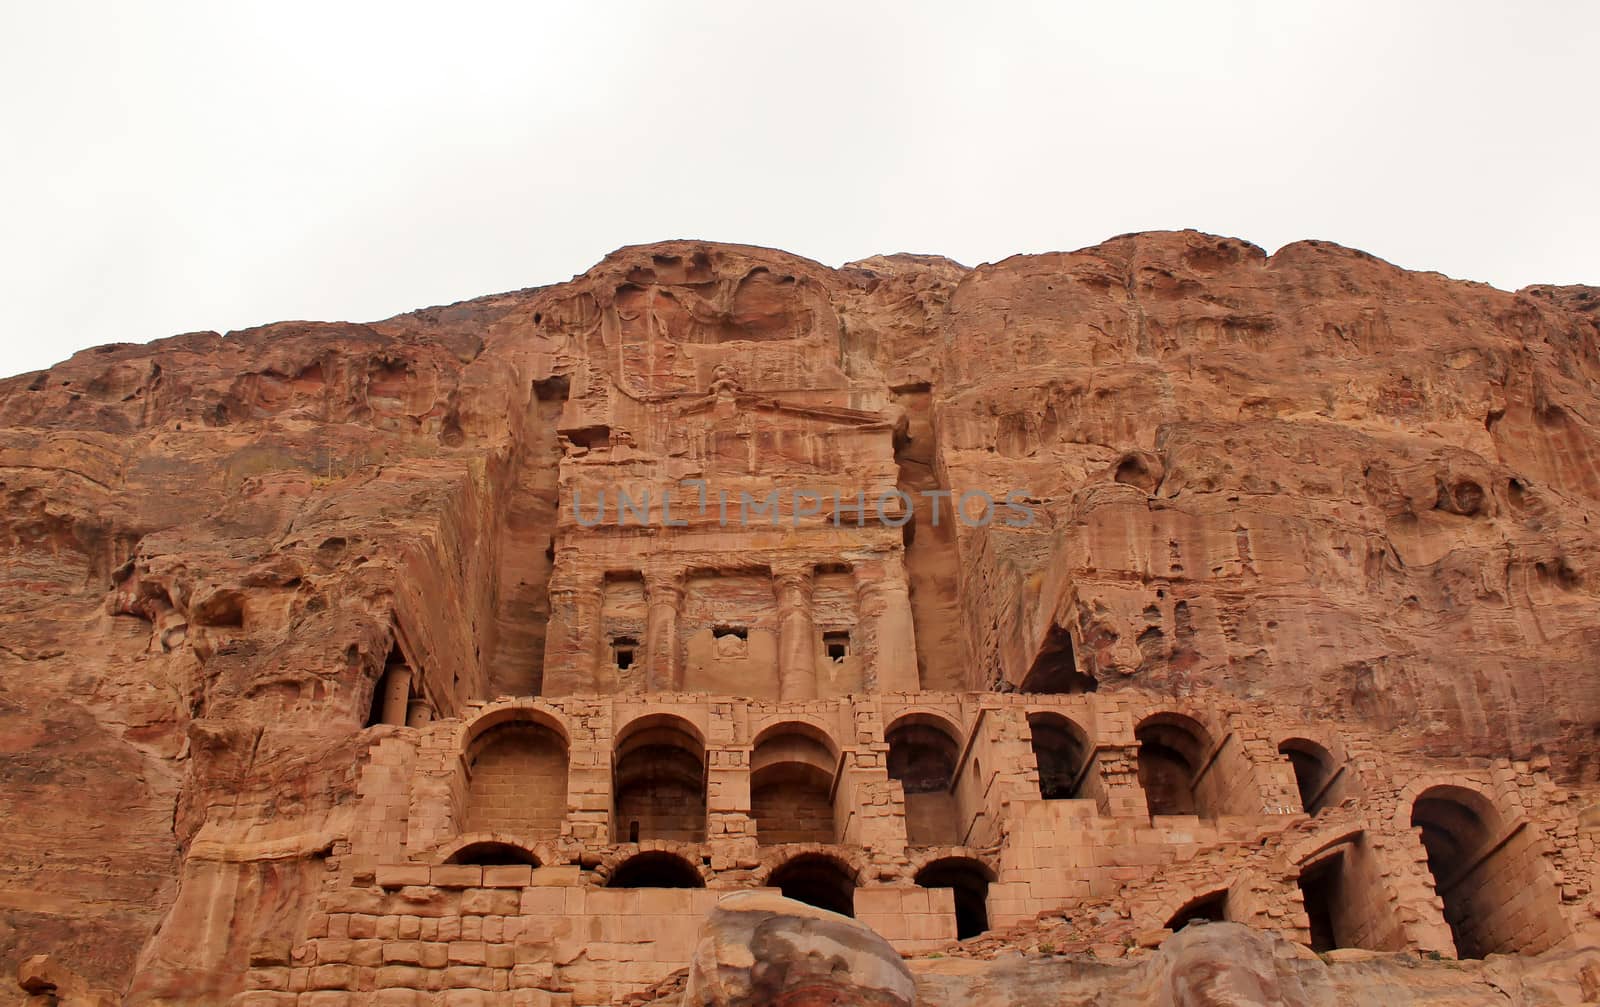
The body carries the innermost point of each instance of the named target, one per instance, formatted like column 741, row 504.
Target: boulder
column 758, row 949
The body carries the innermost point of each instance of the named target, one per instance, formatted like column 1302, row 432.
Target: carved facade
column 730, row 698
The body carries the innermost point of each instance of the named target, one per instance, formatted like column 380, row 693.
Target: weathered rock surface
column 1309, row 475
column 757, row 949
column 1228, row 965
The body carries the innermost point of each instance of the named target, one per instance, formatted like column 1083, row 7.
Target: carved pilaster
column 663, row 590
column 885, row 597
column 572, row 640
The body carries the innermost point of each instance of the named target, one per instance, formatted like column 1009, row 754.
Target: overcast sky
column 169, row 167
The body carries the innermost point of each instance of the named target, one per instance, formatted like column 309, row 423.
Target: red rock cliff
column 1309, row 475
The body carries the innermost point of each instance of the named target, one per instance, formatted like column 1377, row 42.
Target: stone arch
column 801, row 724
column 1173, row 749
column 1348, row 902
column 1315, row 770
column 924, row 752
column 515, row 762
column 492, row 853
column 655, row 869
column 817, row 879
column 691, row 853
column 644, row 721
column 1318, row 845
column 923, row 858
column 931, row 717
column 659, row 781
column 514, row 710
column 854, row 860
column 1061, row 750
column 1497, row 890
column 451, row 850
column 1322, row 893
column 793, row 766
column 969, row 878
column 1210, row 905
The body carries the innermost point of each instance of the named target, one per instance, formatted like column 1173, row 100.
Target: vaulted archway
column 659, row 782
column 517, row 780
column 1172, row 753
column 1061, row 751
column 791, row 785
column 817, row 880
column 923, row 751
column 1497, row 891
column 655, row 869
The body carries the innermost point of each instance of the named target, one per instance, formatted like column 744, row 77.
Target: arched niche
column 659, row 781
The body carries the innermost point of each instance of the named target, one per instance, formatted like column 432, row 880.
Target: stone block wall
column 1355, row 874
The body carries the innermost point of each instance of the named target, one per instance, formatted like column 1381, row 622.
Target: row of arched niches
column 648, row 790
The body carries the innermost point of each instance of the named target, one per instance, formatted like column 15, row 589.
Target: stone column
column 886, row 606
column 418, row 713
column 663, row 590
column 396, row 686
column 572, row 638
column 797, row 645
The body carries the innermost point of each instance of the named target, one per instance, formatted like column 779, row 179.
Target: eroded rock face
column 758, row 949
column 1227, row 965
column 1390, row 457
column 1309, row 478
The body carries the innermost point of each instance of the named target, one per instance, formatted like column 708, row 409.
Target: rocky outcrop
column 758, row 949
column 1228, row 965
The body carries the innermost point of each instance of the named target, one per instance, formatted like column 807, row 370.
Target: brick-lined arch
column 1061, row 751
column 1348, row 903
column 494, row 853
column 799, row 723
column 514, row 710
column 453, row 849
column 931, row 716
column 693, row 854
column 657, row 869
column 818, row 878
column 924, row 753
column 854, row 860
column 1488, row 869
column 923, row 858
column 515, row 759
column 1173, row 752
column 793, row 772
column 1210, row 903
column 969, row 878
column 1317, row 770
column 659, row 780
column 643, row 720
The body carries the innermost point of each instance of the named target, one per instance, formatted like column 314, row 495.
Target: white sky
column 212, row 165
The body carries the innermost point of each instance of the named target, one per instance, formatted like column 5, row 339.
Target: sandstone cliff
column 1310, row 477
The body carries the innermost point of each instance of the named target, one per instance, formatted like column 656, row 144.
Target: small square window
column 836, row 644
column 622, row 650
